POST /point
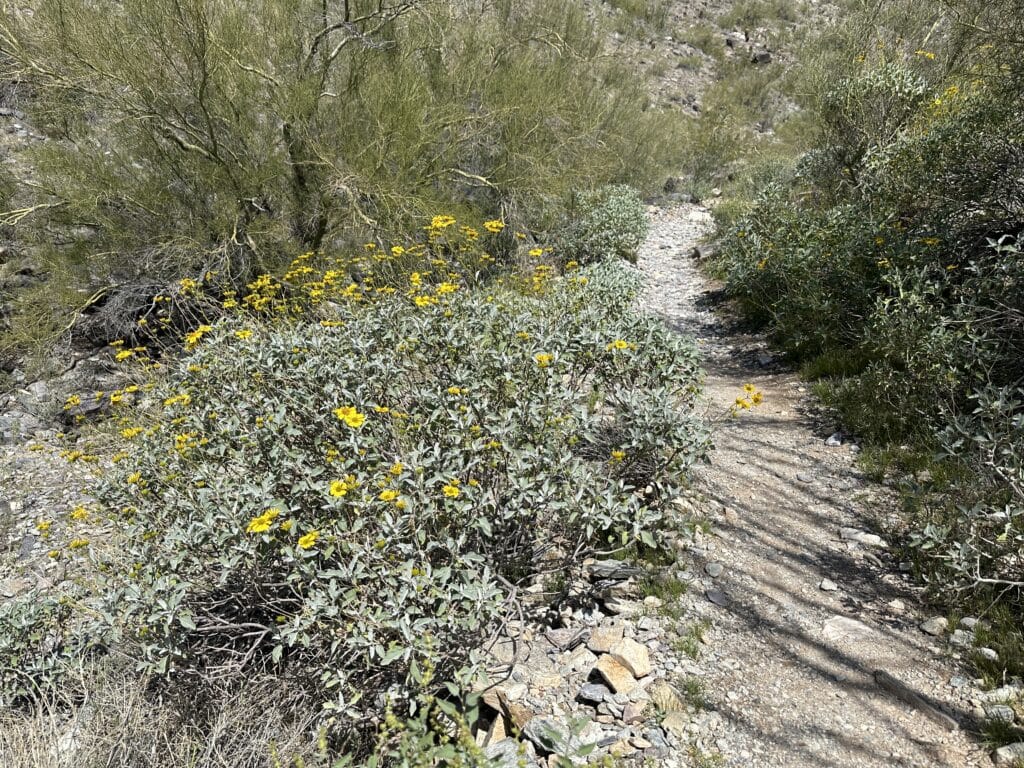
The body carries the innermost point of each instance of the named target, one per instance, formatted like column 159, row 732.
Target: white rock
column 935, row 626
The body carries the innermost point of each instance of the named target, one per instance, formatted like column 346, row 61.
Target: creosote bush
column 352, row 495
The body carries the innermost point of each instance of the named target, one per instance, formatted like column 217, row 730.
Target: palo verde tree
column 199, row 136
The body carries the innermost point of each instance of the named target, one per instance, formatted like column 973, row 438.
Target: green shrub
column 890, row 259
column 608, row 223
column 974, row 543
column 347, row 503
column 208, row 136
column 37, row 640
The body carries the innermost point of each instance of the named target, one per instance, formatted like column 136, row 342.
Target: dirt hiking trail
column 802, row 613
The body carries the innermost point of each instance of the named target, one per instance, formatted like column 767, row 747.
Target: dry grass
column 119, row 724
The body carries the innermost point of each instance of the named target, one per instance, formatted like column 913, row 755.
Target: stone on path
column 962, row 638
column 843, row 629
column 714, row 570
column 718, row 597
column 827, row 585
column 1010, row 754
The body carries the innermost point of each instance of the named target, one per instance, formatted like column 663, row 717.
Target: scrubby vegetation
column 223, row 137
column 348, row 487
column 887, row 259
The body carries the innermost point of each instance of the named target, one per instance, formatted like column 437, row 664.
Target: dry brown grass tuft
column 119, row 724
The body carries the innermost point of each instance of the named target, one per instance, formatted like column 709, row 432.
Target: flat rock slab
column 718, row 597
column 602, row 639
column 633, row 656
column 843, row 629
column 619, row 679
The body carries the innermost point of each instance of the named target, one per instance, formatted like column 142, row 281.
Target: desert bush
column 609, row 222
column 978, row 546
column 211, row 136
column 347, row 502
column 890, row 257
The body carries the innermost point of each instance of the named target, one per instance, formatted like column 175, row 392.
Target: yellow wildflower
column 451, row 491
column 341, row 487
column 309, row 540
column 618, row 455
column 78, row 543
column 79, row 513
column 494, row 226
column 543, row 359
column 388, row 494
column 350, row 416
column 262, row 523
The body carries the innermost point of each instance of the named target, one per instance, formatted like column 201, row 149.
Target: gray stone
column 968, row 622
column 611, row 569
column 761, row 56
column 862, row 537
column 935, row 626
column 505, row 753
column 1002, row 694
column 958, row 681
column 842, row 629
column 718, row 597
column 827, row 585
column 989, row 654
column 714, row 570
column 1009, row 754
column 549, row 735
column 803, row 477
column 835, row 439
column 675, row 723
column 581, row 660
column 1000, row 713
column 593, row 692
column 961, row 638
column 657, row 738
column 565, row 639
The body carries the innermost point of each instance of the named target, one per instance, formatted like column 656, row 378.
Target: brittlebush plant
column 344, row 483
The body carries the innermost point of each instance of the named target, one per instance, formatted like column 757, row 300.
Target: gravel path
column 789, row 665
